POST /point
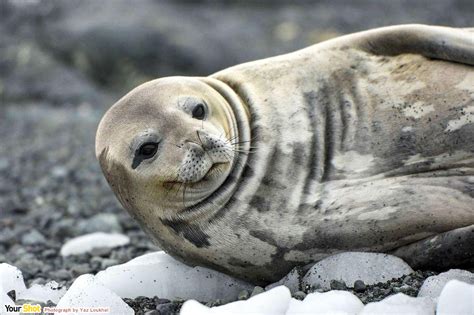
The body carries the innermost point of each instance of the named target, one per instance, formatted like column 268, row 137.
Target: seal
column 360, row 143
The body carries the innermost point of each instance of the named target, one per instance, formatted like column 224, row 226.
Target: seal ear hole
column 199, row 111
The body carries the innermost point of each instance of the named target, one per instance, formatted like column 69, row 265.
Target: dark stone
column 167, row 308
column 12, row 295
column 337, row 285
column 359, row 286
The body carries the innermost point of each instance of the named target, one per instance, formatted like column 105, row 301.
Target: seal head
column 167, row 146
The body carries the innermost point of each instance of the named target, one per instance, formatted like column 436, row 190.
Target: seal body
column 362, row 143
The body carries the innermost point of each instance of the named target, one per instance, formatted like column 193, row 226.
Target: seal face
column 364, row 142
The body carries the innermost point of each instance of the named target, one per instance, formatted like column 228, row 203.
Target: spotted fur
column 364, row 142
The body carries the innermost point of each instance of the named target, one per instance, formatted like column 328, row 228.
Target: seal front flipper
column 454, row 248
column 437, row 42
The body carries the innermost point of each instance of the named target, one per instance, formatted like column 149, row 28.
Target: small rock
column 299, row 295
column 337, row 285
column 167, row 308
column 107, row 262
column 102, row 222
column 243, row 295
column 161, row 301
column 61, row 274
column 101, row 251
column 359, row 286
column 80, row 269
column 153, row 312
column 12, row 295
column 59, row 171
column 49, row 253
column 33, row 237
column 214, row 303
column 257, row 290
column 28, row 266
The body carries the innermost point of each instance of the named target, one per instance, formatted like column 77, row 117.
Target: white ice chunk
column 351, row 266
column 433, row 285
column 87, row 293
column 42, row 293
column 193, row 307
column 272, row 302
column 85, row 243
column 400, row 304
column 5, row 301
column 456, row 298
column 11, row 278
column 328, row 303
column 158, row 274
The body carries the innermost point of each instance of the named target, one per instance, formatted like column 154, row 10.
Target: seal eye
column 148, row 150
column 199, row 111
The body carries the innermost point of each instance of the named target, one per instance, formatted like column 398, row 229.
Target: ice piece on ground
column 456, row 298
column 292, row 280
column 400, row 304
column 87, row 292
column 351, row 266
column 332, row 302
column 433, row 285
column 11, row 278
column 272, row 302
column 85, row 243
column 158, row 274
column 193, row 307
column 5, row 301
column 42, row 293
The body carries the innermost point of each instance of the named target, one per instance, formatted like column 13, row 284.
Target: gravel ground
column 51, row 187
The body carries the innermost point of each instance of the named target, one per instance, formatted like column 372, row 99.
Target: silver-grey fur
column 359, row 143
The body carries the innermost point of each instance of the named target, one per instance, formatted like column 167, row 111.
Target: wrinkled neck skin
column 237, row 113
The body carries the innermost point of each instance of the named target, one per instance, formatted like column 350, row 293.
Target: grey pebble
column 167, row 308
column 243, row 295
column 61, row 274
column 28, row 266
column 33, row 237
column 299, row 295
column 359, row 286
column 217, row 302
column 101, row 251
column 80, row 269
column 257, row 290
column 108, row 262
column 337, row 285
column 102, row 222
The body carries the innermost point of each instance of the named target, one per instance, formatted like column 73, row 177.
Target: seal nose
column 203, row 140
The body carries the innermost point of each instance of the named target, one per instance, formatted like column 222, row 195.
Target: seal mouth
column 214, row 171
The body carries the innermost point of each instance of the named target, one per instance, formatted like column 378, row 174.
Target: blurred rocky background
column 63, row 63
